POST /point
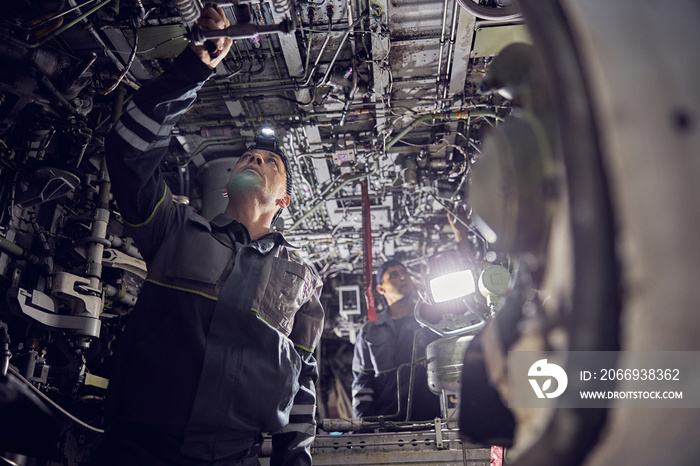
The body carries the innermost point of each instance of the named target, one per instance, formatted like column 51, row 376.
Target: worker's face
column 262, row 172
column 396, row 284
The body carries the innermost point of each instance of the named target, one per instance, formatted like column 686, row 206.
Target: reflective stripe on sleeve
column 144, row 120
column 130, row 137
column 304, row 409
column 363, row 391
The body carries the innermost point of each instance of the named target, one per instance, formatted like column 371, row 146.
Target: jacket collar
column 264, row 244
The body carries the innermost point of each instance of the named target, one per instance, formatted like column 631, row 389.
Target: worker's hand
column 213, row 19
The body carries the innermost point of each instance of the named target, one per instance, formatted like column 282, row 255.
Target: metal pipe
column 65, row 26
column 86, row 133
column 389, row 417
column 208, row 143
column 108, row 51
column 445, row 117
column 351, row 27
column 120, row 294
column 276, row 118
column 442, row 47
column 126, row 69
column 99, row 232
column 453, row 36
column 292, row 83
column 412, row 375
column 59, row 97
column 198, row 36
column 340, row 46
column 18, row 251
column 350, row 97
column 58, row 15
column 42, row 396
column 118, row 104
column 307, row 78
column 327, row 197
column 126, row 245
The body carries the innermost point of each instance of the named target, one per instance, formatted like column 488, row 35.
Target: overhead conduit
column 444, row 117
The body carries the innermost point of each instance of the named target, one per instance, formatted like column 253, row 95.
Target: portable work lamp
column 449, row 277
column 444, row 309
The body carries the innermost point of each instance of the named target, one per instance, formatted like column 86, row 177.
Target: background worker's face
column 261, row 172
column 396, row 284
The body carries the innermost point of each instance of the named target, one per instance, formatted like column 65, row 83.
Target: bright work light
column 449, row 277
column 267, row 131
column 452, row 286
column 445, row 307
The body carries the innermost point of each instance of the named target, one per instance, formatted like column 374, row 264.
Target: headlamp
column 266, row 140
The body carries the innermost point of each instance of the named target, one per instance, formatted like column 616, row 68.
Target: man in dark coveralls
column 384, row 346
column 220, row 346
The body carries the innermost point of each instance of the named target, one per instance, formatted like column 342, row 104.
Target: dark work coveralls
column 219, row 347
column 380, row 349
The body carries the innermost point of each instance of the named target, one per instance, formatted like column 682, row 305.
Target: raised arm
column 140, row 139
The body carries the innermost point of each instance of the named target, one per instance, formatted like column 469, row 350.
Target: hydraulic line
column 351, row 95
column 442, row 47
column 351, row 28
column 349, row 98
column 412, row 365
column 293, row 83
column 411, row 377
column 453, row 37
column 58, row 15
column 52, row 403
column 289, row 84
column 198, row 36
column 328, row 196
column 63, row 28
column 128, row 63
column 307, row 77
column 14, row 250
column 440, row 116
column 342, row 41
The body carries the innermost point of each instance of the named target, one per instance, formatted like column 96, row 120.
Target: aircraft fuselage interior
column 550, row 149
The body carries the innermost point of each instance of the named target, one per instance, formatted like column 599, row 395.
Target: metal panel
column 155, row 42
column 489, row 40
column 463, row 43
column 124, row 47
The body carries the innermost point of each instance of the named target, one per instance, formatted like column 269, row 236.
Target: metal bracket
column 41, row 309
column 440, row 443
column 77, row 291
column 120, row 260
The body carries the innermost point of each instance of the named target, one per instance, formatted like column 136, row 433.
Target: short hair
column 386, row 265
